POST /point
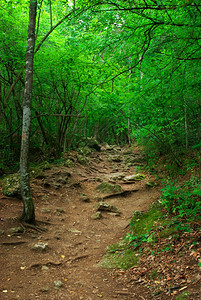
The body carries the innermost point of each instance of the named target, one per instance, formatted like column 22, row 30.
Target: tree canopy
column 119, row 71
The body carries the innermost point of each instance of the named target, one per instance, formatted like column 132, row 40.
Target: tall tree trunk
column 29, row 211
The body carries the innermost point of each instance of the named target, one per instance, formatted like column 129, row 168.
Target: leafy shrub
column 184, row 201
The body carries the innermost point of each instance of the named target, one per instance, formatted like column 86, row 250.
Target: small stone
column 40, row 247
column 84, row 198
column 46, row 210
column 17, row 230
column 58, row 284
column 107, row 207
column 45, row 268
column 97, row 215
column 45, row 289
column 74, row 230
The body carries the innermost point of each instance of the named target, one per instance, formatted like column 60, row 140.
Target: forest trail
column 65, row 204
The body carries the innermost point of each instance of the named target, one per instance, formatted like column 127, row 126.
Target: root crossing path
column 59, row 257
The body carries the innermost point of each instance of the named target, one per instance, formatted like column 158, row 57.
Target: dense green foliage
column 118, row 71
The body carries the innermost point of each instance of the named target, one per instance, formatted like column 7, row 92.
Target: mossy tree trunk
column 29, row 211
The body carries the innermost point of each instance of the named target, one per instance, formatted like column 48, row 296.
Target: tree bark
column 29, row 211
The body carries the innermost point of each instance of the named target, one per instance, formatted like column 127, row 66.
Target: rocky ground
column 83, row 204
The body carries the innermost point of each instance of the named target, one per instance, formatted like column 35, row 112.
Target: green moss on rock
column 106, row 187
column 11, row 185
column 120, row 256
column 69, row 163
column 83, row 160
column 135, row 177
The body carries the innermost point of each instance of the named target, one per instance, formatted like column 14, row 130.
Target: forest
column 120, row 72
column 124, row 73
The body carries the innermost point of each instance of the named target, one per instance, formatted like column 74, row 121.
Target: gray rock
column 40, row 247
column 97, row 215
column 74, row 230
column 107, row 207
column 11, row 185
column 106, row 187
column 46, row 210
column 58, row 284
column 115, row 176
column 17, row 230
column 45, row 268
column 135, row 177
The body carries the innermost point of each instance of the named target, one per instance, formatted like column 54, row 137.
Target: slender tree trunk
column 185, row 123
column 29, row 212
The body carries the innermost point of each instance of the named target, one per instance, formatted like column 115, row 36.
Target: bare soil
column 76, row 242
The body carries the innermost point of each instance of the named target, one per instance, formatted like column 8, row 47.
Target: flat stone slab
column 103, row 206
column 135, row 177
column 106, row 187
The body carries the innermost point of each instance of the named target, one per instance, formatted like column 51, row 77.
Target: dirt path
column 76, row 242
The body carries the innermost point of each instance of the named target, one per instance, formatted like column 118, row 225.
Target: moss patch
column 142, row 222
column 11, row 185
column 184, row 296
column 119, row 256
column 106, row 187
column 167, row 231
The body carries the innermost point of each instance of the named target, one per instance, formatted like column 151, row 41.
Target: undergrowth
column 177, row 212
